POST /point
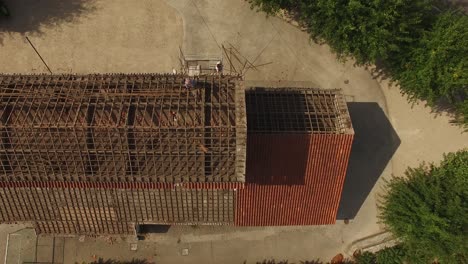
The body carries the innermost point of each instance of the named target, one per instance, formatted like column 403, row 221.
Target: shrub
column 365, row 258
column 391, row 255
column 271, row 6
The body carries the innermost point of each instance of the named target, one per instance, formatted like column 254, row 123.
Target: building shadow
column 278, row 146
column 374, row 144
column 152, row 229
column 28, row 16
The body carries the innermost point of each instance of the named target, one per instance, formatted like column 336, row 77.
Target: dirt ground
column 86, row 36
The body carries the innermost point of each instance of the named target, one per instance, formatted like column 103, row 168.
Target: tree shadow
column 457, row 4
column 374, row 144
column 28, row 16
column 442, row 106
column 379, row 71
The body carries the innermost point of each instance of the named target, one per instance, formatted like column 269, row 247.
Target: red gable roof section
column 263, row 203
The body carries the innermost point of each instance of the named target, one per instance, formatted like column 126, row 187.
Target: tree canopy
column 428, row 210
column 365, row 30
column 436, row 68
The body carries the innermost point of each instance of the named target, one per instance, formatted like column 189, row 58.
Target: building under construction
column 102, row 154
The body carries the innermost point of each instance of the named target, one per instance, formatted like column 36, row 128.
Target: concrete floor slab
column 20, row 246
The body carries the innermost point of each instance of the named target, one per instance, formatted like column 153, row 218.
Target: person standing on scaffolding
column 219, row 67
column 189, row 84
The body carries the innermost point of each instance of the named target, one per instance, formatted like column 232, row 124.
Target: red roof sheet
column 294, row 179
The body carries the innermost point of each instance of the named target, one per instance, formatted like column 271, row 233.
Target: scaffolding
column 297, row 110
column 122, row 128
column 99, row 154
column 194, row 65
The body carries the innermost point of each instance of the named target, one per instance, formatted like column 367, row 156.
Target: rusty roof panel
column 309, row 189
column 276, row 159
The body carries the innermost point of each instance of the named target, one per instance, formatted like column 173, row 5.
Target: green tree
column 368, row 30
column 428, row 210
column 364, row 29
column 437, row 67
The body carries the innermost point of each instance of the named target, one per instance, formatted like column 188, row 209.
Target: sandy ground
column 90, row 36
column 144, row 36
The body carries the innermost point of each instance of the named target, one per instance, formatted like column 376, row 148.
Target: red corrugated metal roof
column 274, row 159
column 293, row 179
